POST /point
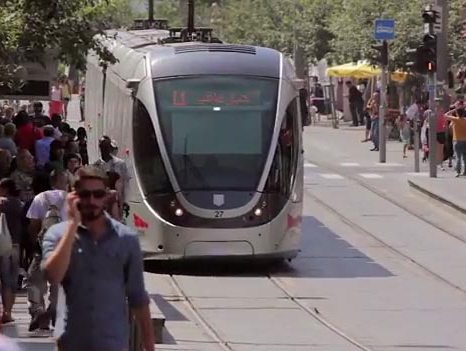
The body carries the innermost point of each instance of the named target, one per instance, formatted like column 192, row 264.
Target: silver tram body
column 212, row 136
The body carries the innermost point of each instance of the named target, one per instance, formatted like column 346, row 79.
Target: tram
column 212, row 136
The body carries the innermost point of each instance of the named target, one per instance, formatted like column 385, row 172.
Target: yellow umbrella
column 361, row 70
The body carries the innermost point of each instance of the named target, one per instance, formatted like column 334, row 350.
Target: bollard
column 416, row 146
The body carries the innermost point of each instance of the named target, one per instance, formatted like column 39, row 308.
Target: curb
column 434, row 196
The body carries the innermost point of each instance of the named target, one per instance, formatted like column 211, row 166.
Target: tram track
column 355, row 226
column 225, row 345
column 381, row 194
column 317, row 316
column 208, row 328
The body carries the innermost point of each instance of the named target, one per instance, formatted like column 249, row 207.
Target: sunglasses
column 97, row 194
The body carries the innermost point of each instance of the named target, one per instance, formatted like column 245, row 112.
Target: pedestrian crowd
column 450, row 127
column 52, row 205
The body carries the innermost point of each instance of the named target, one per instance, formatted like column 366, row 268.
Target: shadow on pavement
column 324, row 254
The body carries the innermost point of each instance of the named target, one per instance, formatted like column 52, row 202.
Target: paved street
column 381, row 268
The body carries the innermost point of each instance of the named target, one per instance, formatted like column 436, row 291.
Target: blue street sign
column 384, row 29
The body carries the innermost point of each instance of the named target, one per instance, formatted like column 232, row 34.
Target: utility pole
column 151, row 10
column 383, row 106
column 190, row 16
column 300, row 62
column 430, row 43
column 417, row 161
column 383, row 61
column 443, row 58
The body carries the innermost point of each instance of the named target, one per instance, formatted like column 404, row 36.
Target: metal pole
column 151, row 10
column 190, row 16
column 332, row 104
column 382, row 111
column 443, row 60
column 432, row 126
column 417, row 163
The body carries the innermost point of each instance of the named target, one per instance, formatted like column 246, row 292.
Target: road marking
column 389, row 164
column 420, row 174
column 350, row 164
column 371, row 175
column 310, row 165
column 331, row 176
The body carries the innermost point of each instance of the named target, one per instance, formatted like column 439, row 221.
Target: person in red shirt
column 27, row 134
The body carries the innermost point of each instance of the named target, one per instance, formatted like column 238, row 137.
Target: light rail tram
column 212, row 137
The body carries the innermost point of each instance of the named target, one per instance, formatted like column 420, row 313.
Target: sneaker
column 35, row 322
column 7, row 319
column 39, row 320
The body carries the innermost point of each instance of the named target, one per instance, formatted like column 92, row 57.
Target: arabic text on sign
column 180, row 98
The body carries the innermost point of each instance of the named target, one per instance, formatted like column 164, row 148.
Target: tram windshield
column 217, row 129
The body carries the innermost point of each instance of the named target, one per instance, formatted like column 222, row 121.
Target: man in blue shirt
column 99, row 263
column 43, row 146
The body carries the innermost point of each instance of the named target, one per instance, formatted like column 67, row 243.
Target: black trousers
column 357, row 112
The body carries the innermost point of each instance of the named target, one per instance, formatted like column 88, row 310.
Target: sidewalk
column 446, row 189
column 19, row 329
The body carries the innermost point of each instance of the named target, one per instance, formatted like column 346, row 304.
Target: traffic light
column 430, row 16
column 382, row 56
column 429, row 49
column 423, row 59
column 415, row 63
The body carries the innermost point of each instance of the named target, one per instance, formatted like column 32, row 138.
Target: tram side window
column 296, row 128
column 148, row 160
column 283, row 169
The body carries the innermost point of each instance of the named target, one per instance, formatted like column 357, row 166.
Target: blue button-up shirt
column 43, row 150
column 101, row 276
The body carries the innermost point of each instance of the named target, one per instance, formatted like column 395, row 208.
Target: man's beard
column 91, row 214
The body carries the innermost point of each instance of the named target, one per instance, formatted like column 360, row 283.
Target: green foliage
column 30, row 28
column 279, row 24
column 456, row 27
column 340, row 30
column 354, row 31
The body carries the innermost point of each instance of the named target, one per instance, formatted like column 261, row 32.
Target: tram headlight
column 258, row 212
column 179, row 212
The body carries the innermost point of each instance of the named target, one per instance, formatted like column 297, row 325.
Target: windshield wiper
column 192, row 166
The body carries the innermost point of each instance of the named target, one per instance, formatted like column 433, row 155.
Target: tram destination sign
column 182, row 98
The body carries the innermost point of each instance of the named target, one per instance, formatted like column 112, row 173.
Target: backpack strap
column 47, row 202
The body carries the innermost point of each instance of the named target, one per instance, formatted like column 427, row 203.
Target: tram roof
column 195, row 58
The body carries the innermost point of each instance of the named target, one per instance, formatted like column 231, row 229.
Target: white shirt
column 57, row 134
column 116, row 165
column 40, row 204
column 38, row 210
column 412, row 112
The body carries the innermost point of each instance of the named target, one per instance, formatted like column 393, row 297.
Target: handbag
column 6, row 245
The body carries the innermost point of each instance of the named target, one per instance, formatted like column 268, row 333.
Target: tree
column 31, row 28
column 280, row 24
column 353, row 32
column 457, row 31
